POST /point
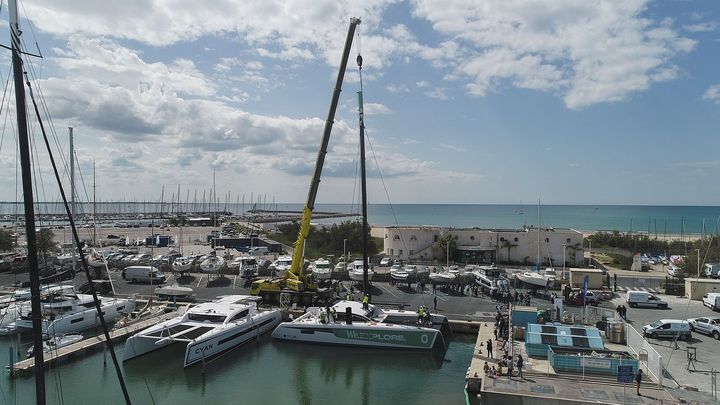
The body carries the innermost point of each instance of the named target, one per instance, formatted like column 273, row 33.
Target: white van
column 258, row 250
column 712, row 270
column 668, row 328
column 712, row 301
column 143, row 274
column 644, row 299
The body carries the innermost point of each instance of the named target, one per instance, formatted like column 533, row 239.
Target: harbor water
column 263, row 372
column 655, row 220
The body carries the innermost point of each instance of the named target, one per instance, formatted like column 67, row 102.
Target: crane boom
column 297, row 267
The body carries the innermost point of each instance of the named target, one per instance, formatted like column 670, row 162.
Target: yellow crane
column 301, row 286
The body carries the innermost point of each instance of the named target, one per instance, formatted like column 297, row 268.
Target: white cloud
column 708, row 26
column 376, row 108
column 422, row 83
column 712, row 93
column 591, row 52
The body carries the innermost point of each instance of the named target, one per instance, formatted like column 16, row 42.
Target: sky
column 466, row 101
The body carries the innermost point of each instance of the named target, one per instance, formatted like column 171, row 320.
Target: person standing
column 638, row 380
column 366, row 301
column 489, row 348
column 520, row 366
column 435, row 302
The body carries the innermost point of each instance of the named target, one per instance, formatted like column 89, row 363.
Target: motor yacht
column 357, row 272
column 321, row 269
column 544, row 280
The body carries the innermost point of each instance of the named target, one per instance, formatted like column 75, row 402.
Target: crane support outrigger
column 295, row 281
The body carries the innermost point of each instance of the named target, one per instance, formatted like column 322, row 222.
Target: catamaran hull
column 358, row 335
column 204, row 349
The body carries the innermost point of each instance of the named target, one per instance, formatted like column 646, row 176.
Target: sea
column 262, row 372
column 653, row 220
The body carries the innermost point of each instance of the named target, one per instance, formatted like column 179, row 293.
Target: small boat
column 354, row 325
column 175, row 293
column 399, row 275
column 183, row 264
column 234, row 263
column 442, row 277
column 546, row 279
column 322, row 269
column 56, row 342
column 95, row 259
column 281, row 265
column 207, row 329
column 212, row 264
column 248, row 267
column 340, row 266
column 357, row 272
column 489, row 277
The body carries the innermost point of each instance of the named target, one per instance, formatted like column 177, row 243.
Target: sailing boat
column 546, row 279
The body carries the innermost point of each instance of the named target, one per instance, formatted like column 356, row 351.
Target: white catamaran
column 207, row 329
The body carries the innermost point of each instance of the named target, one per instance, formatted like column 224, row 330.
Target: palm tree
column 506, row 244
column 574, row 248
column 445, row 246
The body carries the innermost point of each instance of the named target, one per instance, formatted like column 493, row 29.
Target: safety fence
column 646, row 353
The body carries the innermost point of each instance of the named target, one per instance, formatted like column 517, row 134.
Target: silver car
column 708, row 325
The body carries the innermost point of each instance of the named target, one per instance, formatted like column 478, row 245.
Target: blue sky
column 496, row 101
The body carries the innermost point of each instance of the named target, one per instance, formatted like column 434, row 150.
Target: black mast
column 24, row 147
column 363, row 185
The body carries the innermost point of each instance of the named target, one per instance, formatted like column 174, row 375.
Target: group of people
column 328, row 314
column 457, row 288
column 506, row 297
column 507, row 363
column 502, row 324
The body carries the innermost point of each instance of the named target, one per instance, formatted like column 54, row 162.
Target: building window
column 392, row 252
column 502, row 239
column 567, row 240
column 397, row 237
column 436, row 238
column 472, row 237
column 400, row 252
column 516, row 239
column 547, row 240
column 413, row 237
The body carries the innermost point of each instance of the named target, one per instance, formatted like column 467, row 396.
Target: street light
column 564, row 249
column 344, row 255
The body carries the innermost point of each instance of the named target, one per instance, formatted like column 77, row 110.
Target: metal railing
column 642, row 348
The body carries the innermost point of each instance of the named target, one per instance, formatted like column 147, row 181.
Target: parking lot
column 675, row 354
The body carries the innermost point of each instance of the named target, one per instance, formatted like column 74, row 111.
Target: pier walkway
column 27, row 365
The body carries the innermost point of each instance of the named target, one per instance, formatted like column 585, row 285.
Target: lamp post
column 344, row 255
column 564, row 249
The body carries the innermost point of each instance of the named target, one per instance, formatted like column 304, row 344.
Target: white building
column 475, row 245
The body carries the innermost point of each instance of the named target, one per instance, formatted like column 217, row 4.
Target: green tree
column 6, row 241
column 45, row 243
column 506, row 244
column 445, row 247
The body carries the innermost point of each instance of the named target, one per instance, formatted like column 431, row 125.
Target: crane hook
column 359, row 61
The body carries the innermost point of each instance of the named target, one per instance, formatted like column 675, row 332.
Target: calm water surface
column 268, row 372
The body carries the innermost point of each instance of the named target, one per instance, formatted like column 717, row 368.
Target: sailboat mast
column 32, row 248
column 363, row 184
column 72, row 185
column 538, row 237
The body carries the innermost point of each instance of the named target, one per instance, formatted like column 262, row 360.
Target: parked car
column 712, row 301
column 385, row 261
column 644, row 299
column 668, row 328
column 590, row 298
column 709, row 325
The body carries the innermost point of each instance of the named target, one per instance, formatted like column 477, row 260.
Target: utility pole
column 72, row 187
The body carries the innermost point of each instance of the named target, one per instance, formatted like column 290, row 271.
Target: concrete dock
column 90, row 343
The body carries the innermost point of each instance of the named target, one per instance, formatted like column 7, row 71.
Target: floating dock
column 90, row 343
